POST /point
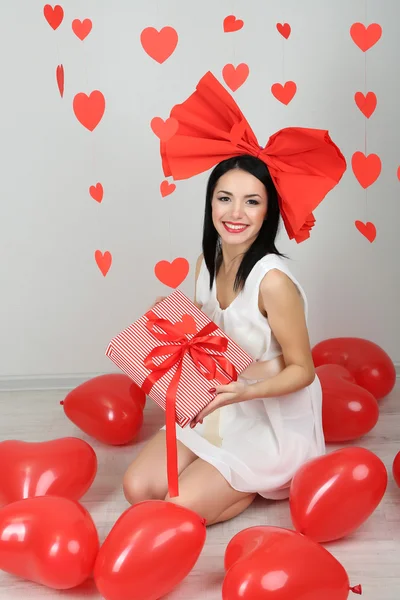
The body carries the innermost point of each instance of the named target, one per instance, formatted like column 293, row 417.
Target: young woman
column 256, row 432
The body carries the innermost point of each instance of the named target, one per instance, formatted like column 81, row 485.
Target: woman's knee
column 138, row 487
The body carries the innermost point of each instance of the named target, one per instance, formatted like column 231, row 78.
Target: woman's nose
column 237, row 211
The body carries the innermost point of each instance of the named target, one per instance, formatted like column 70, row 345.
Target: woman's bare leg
column 146, row 477
column 204, row 490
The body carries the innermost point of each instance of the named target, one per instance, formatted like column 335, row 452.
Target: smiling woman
column 256, row 432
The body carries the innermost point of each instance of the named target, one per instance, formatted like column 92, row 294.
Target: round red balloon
column 332, row 495
column 63, row 467
column 349, row 411
column 49, row 540
column 276, row 563
column 109, row 408
column 150, row 549
column 370, row 365
column 396, row 469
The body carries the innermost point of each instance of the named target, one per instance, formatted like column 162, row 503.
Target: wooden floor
column 371, row 556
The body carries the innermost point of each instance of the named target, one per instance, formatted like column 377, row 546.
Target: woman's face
column 239, row 206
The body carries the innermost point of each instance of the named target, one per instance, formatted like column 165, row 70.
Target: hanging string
column 365, row 118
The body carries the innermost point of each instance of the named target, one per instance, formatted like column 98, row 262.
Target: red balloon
column 64, row 467
column 49, row 540
column 370, row 365
column 151, row 548
column 348, row 410
column 332, row 495
column 108, row 408
column 276, row 563
column 396, row 469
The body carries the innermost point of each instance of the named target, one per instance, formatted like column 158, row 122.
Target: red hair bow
column 304, row 163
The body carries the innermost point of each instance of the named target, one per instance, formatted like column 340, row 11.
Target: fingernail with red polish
column 212, row 391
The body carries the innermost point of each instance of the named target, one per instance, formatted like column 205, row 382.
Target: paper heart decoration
column 234, row 77
column 54, row 16
column 89, row 110
column 81, row 28
column 353, row 480
column 371, row 367
column 164, row 130
column 172, row 274
column 96, row 191
column 187, row 325
column 366, row 168
column 49, row 540
column 284, row 29
column 398, row 173
column 167, row 188
column 349, row 411
column 284, row 93
column 160, row 45
column 151, row 548
column 231, row 23
column 103, row 261
column 108, row 407
column 367, row 104
column 63, row 467
column 60, row 79
column 276, row 563
column 368, row 230
column 365, row 37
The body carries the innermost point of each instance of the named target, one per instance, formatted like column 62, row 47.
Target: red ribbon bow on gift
column 197, row 348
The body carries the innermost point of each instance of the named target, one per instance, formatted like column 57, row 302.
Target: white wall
column 58, row 312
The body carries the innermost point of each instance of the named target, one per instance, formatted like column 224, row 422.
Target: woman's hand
column 225, row 394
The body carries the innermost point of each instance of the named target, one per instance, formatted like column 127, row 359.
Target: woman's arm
column 285, row 310
column 198, row 266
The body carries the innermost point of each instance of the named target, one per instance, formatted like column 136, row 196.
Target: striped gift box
column 130, row 347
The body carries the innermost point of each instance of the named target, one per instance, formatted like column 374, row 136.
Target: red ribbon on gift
column 197, row 348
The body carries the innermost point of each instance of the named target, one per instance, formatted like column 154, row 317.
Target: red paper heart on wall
column 89, row 110
column 231, row 23
column 81, row 28
column 284, row 29
column 187, row 325
column 234, row 77
column 172, row 274
column 366, row 168
column 60, row 79
column 96, row 191
column 103, row 261
column 159, row 44
column 164, row 130
column 54, row 16
column 284, row 93
column 366, row 104
column 365, row 37
column 167, row 188
column 368, row 230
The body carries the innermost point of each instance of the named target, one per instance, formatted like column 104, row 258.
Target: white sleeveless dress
column 260, row 443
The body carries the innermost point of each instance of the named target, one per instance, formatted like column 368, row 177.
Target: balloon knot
column 357, row 589
column 203, row 521
column 61, row 402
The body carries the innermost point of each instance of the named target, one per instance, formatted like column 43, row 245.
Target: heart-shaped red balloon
column 276, row 563
column 333, row 495
column 371, row 367
column 64, row 467
column 348, row 410
column 150, row 549
column 49, row 540
column 396, row 468
column 108, row 408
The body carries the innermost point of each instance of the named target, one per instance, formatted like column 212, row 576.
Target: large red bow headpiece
column 304, row 163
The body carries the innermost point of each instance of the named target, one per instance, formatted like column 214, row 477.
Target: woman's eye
column 254, row 201
column 223, row 198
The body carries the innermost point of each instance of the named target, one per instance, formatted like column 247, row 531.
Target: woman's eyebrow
column 229, row 194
